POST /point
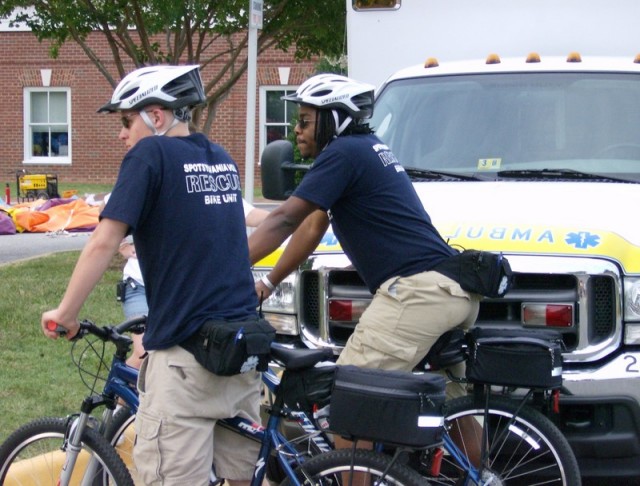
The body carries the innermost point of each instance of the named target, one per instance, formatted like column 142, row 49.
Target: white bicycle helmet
column 173, row 87
column 335, row 92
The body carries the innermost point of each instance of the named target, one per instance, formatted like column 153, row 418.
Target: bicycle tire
column 533, row 452
column 328, row 469
column 31, row 455
column 120, row 432
column 121, row 419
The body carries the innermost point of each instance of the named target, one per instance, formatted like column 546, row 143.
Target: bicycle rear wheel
column 530, row 451
column 32, row 455
column 333, row 468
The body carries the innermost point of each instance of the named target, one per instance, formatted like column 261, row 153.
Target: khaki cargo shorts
column 405, row 318
column 177, row 435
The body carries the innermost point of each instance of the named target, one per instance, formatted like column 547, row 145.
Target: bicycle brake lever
column 62, row 331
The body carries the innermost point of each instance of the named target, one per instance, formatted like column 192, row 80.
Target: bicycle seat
column 448, row 350
column 296, row 359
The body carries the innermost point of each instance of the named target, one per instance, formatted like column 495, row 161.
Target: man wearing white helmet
column 179, row 195
column 357, row 185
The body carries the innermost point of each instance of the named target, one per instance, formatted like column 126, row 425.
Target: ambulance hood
column 554, row 218
column 582, row 219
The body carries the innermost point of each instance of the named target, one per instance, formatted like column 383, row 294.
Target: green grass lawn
column 84, row 188
column 37, row 375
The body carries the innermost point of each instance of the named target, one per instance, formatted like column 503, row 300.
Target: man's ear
column 158, row 117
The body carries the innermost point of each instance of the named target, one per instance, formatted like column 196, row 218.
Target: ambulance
column 519, row 124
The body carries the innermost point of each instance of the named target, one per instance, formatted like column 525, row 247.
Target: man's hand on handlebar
column 263, row 291
column 53, row 325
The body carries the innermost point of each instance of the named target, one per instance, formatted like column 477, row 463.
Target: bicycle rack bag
column 515, row 357
column 309, row 388
column 395, row 407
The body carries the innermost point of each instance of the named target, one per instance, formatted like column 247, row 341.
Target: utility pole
column 255, row 23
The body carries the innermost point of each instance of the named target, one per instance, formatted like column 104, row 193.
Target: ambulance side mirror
column 278, row 170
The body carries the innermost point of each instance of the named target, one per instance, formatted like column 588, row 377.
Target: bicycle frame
column 473, row 475
column 271, row 440
column 121, row 382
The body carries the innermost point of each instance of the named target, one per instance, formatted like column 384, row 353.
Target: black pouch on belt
column 480, row 272
column 230, row 348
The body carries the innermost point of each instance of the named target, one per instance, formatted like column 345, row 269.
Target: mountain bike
column 73, row 451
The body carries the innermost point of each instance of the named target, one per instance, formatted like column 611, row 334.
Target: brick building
column 49, row 108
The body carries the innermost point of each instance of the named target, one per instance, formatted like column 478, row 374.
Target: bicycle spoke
column 522, row 449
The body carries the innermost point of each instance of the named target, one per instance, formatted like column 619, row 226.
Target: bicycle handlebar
column 106, row 333
column 135, row 325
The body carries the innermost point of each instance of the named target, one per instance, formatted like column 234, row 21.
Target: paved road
column 23, row 246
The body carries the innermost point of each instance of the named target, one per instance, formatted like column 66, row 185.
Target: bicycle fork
column 73, row 447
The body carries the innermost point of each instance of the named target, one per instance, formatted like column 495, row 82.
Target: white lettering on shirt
column 211, row 179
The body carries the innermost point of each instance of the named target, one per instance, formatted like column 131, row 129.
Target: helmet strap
column 145, row 116
column 340, row 127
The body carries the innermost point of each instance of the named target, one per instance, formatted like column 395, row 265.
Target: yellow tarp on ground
column 45, row 468
column 49, row 216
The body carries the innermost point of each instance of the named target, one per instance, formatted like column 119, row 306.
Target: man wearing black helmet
column 180, row 197
column 358, row 186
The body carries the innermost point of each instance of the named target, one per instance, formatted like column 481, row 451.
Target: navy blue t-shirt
column 181, row 197
column 374, row 209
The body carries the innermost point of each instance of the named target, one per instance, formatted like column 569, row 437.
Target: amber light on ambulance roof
column 574, row 57
column 431, row 62
column 533, row 57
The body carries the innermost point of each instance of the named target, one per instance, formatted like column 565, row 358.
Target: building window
column 376, row 4
column 276, row 115
column 47, row 114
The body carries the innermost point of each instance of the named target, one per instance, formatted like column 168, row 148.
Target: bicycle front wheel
column 531, row 450
column 334, row 469
column 33, row 455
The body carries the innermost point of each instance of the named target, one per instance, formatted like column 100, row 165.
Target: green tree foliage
column 210, row 33
column 336, row 65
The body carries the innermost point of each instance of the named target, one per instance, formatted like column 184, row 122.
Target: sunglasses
column 126, row 119
column 304, row 123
